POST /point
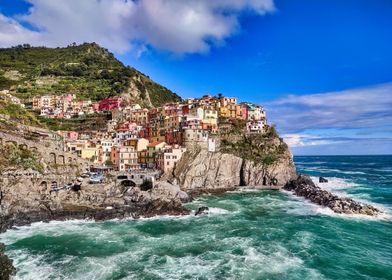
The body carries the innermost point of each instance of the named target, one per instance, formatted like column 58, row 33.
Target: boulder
column 322, row 180
column 202, row 211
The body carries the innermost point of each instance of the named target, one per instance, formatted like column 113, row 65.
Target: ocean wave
column 31, row 267
column 310, row 163
column 52, row 228
column 334, row 170
column 335, row 183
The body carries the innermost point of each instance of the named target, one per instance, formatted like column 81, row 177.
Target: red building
column 110, row 104
column 173, row 137
column 185, row 109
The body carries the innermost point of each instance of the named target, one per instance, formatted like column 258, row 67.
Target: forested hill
column 88, row 70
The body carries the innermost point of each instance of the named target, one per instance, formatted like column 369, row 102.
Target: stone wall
column 49, row 155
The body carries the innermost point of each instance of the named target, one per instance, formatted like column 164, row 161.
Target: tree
column 108, row 162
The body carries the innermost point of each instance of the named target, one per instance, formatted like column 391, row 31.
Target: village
column 138, row 139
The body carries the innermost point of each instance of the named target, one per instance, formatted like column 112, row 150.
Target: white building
column 256, row 126
column 170, row 156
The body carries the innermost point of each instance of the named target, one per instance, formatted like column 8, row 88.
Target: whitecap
column 217, row 211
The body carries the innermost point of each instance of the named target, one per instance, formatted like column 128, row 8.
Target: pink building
column 96, row 106
column 73, row 135
column 110, row 104
column 127, row 126
column 244, row 109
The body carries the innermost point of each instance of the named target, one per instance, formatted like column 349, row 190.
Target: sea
column 247, row 235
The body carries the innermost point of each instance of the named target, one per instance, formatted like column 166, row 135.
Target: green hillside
column 88, row 70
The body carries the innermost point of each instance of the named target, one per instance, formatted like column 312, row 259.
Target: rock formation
column 6, row 267
column 215, row 171
column 202, row 210
column 27, row 201
column 322, row 180
column 304, row 186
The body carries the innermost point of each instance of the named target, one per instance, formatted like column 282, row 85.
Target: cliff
column 209, row 171
column 256, row 160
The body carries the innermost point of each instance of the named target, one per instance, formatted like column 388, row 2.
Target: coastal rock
column 303, row 186
column 277, row 174
column 169, row 191
column 322, row 180
column 202, row 210
column 27, row 201
column 6, row 267
column 205, row 171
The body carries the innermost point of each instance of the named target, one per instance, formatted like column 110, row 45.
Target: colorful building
column 110, row 104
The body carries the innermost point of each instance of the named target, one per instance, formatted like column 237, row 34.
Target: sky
column 321, row 68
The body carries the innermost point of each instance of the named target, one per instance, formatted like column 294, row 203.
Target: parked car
column 97, row 179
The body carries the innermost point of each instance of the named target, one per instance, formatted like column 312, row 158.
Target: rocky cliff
column 200, row 170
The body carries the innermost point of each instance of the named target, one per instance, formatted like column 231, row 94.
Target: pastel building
column 167, row 159
column 255, row 112
column 93, row 153
column 255, row 126
column 110, row 104
column 124, row 158
column 152, row 150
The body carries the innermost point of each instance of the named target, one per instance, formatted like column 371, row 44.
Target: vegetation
column 12, row 156
column 108, row 162
column 264, row 148
column 88, row 70
column 83, row 123
column 18, row 113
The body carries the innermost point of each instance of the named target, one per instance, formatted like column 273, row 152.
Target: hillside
column 88, row 70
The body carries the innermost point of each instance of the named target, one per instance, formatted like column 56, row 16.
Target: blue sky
column 322, row 68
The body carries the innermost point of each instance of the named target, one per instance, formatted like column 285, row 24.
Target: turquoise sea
column 247, row 235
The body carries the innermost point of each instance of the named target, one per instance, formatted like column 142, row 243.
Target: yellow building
column 224, row 112
column 93, row 153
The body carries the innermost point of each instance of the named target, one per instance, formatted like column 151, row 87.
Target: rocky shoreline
column 6, row 267
column 107, row 203
column 303, row 186
column 113, row 202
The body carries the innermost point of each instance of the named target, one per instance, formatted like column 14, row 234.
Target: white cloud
column 304, row 140
column 12, row 33
column 179, row 26
column 367, row 107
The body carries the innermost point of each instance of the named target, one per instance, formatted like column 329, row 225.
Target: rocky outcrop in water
column 303, row 186
column 26, row 202
column 215, row 171
column 6, row 267
column 202, row 210
column 322, row 180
